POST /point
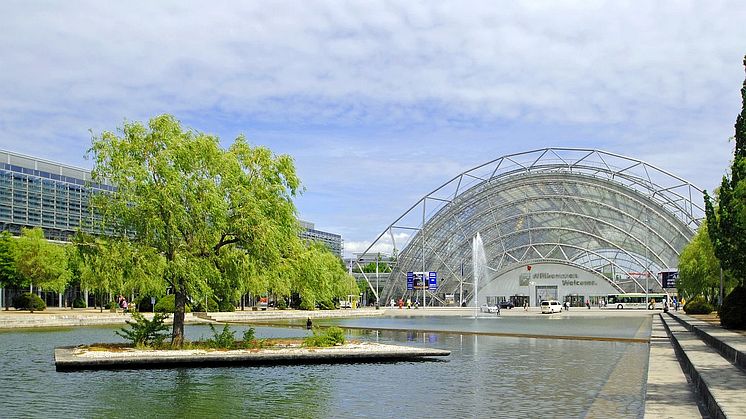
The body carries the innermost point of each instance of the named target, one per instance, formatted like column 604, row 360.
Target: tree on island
column 214, row 215
column 726, row 224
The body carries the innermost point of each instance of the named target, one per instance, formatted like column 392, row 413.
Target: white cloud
column 381, row 102
column 383, row 245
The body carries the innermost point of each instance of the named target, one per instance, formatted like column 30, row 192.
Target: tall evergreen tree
column 726, row 224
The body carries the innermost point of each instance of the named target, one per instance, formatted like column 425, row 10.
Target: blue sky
column 381, row 102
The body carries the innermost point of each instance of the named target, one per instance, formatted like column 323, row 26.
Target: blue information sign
column 669, row 279
column 433, row 281
column 410, row 281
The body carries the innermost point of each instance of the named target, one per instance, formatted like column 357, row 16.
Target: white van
column 550, row 306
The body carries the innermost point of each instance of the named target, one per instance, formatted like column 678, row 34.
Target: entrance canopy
column 617, row 217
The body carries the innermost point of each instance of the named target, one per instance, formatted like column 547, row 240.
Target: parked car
column 345, row 304
column 507, row 304
column 550, row 306
column 489, row 309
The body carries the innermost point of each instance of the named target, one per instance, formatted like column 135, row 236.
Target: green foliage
column 332, row 336
column 699, row 269
column 249, row 335
column 42, row 263
column 167, row 304
column 79, row 303
column 319, row 278
column 282, row 304
column 112, row 305
column 226, row 306
column 727, row 223
column 8, row 273
column 225, row 339
column 29, row 301
column 212, row 305
column 144, row 332
column 698, row 305
column 733, row 311
column 222, row 219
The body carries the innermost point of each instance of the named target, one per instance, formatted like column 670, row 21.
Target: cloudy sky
column 381, row 102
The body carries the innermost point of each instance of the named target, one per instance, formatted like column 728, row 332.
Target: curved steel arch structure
column 604, row 213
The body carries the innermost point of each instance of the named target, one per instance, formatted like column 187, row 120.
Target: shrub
column 145, row 332
column 733, row 311
column 332, row 336
column 143, row 304
column 698, row 305
column 29, row 301
column 167, row 304
column 225, row 339
column 226, row 305
column 281, row 304
column 248, row 334
column 212, row 305
column 79, row 303
column 112, row 305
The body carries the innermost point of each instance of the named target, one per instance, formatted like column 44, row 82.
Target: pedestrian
column 309, row 324
column 525, row 305
column 401, row 303
column 588, row 304
column 123, row 304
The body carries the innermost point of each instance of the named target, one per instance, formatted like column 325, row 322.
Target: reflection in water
column 485, row 376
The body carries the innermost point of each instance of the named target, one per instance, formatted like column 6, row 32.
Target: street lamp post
column 378, row 256
column 647, row 262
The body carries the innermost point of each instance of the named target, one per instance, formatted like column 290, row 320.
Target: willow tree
column 180, row 194
column 319, row 277
column 40, row 262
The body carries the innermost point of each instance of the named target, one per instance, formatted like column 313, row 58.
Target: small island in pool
column 121, row 357
column 148, row 350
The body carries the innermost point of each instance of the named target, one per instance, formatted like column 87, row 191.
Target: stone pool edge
column 75, row 359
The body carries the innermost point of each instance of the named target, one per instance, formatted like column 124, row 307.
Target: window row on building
column 55, row 197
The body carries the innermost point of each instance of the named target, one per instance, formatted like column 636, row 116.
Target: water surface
column 484, row 376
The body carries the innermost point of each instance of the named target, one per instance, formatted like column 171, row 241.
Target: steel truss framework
column 616, row 216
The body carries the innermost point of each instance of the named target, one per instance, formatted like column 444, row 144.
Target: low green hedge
column 79, row 303
column 733, row 311
column 29, row 301
column 698, row 305
column 167, row 304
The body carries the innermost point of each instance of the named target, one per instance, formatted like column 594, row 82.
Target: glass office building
column 332, row 241
column 40, row 193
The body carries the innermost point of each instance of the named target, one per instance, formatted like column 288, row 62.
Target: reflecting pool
column 491, row 376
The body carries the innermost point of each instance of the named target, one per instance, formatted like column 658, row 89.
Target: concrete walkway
column 668, row 392
column 90, row 317
column 731, row 345
column 719, row 384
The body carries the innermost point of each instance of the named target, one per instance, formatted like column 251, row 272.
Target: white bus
column 636, row 300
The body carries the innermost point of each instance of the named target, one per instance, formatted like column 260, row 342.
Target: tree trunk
column 177, row 337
